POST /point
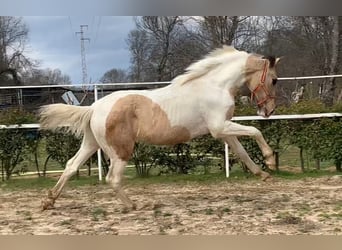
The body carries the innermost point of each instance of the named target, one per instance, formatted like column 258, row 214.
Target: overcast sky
column 53, row 41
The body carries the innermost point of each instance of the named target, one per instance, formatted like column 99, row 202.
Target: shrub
column 144, row 158
column 61, row 146
column 13, row 142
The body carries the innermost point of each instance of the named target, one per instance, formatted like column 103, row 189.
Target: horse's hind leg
column 114, row 178
column 87, row 149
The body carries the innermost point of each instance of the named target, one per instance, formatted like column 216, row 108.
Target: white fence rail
column 151, row 83
column 235, row 118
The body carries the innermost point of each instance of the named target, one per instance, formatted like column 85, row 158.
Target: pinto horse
column 198, row 102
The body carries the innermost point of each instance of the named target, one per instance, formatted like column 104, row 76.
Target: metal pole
column 99, row 163
column 226, row 154
column 99, row 157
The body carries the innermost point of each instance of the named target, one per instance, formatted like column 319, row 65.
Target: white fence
column 97, row 86
column 235, row 118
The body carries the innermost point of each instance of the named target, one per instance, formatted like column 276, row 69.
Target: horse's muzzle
column 263, row 112
column 270, row 113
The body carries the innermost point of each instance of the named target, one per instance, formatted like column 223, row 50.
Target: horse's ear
column 271, row 59
column 278, row 59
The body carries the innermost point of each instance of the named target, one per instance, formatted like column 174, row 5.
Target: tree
column 329, row 85
column 46, row 77
column 243, row 32
column 322, row 40
column 13, row 38
column 220, row 29
column 114, row 76
column 310, row 46
column 161, row 31
column 138, row 43
column 162, row 47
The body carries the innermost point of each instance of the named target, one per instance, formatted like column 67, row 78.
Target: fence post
column 226, row 154
column 99, row 157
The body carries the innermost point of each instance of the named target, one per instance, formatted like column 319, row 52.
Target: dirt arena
column 309, row 206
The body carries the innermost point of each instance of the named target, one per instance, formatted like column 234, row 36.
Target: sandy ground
column 309, row 206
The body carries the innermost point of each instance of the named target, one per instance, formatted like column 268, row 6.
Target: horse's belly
column 164, row 136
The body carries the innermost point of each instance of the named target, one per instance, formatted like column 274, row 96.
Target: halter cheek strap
column 261, row 86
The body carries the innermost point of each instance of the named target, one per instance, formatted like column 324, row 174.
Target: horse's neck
column 229, row 77
column 226, row 77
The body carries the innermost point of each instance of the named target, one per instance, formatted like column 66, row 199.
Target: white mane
column 200, row 68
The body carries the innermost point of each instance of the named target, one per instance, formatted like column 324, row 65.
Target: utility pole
column 83, row 55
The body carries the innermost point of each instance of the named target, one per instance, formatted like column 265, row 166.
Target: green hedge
column 15, row 144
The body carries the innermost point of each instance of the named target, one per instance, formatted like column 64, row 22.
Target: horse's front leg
column 230, row 128
column 239, row 150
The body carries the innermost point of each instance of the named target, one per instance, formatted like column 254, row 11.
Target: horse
column 197, row 102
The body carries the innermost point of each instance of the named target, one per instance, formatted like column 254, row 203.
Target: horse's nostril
column 272, row 111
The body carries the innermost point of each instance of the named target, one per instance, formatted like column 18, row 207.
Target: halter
column 262, row 86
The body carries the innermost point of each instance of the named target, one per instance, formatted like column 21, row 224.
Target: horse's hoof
column 125, row 210
column 270, row 162
column 266, row 176
column 47, row 204
column 128, row 209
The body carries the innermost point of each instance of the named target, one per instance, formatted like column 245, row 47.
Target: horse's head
column 261, row 78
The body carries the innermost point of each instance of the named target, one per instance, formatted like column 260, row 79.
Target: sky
column 52, row 41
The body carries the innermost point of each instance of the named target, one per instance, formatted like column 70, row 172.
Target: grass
column 66, row 222
column 290, row 157
column 338, row 206
column 209, row 211
column 130, row 178
column 287, row 218
column 308, row 174
column 226, row 210
column 26, row 214
column 236, row 175
column 157, row 212
column 45, row 183
column 99, row 213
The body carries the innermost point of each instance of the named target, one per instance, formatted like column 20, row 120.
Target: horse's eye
column 274, row 81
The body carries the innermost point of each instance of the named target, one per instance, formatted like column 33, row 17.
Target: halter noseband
column 262, row 86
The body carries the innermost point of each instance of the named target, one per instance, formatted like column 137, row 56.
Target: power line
column 98, row 28
column 71, row 27
column 92, row 23
column 94, row 32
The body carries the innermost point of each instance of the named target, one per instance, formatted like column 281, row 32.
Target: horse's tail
column 75, row 118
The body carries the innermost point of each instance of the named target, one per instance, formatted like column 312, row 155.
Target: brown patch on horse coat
column 254, row 64
column 137, row 118
column 254, row 68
